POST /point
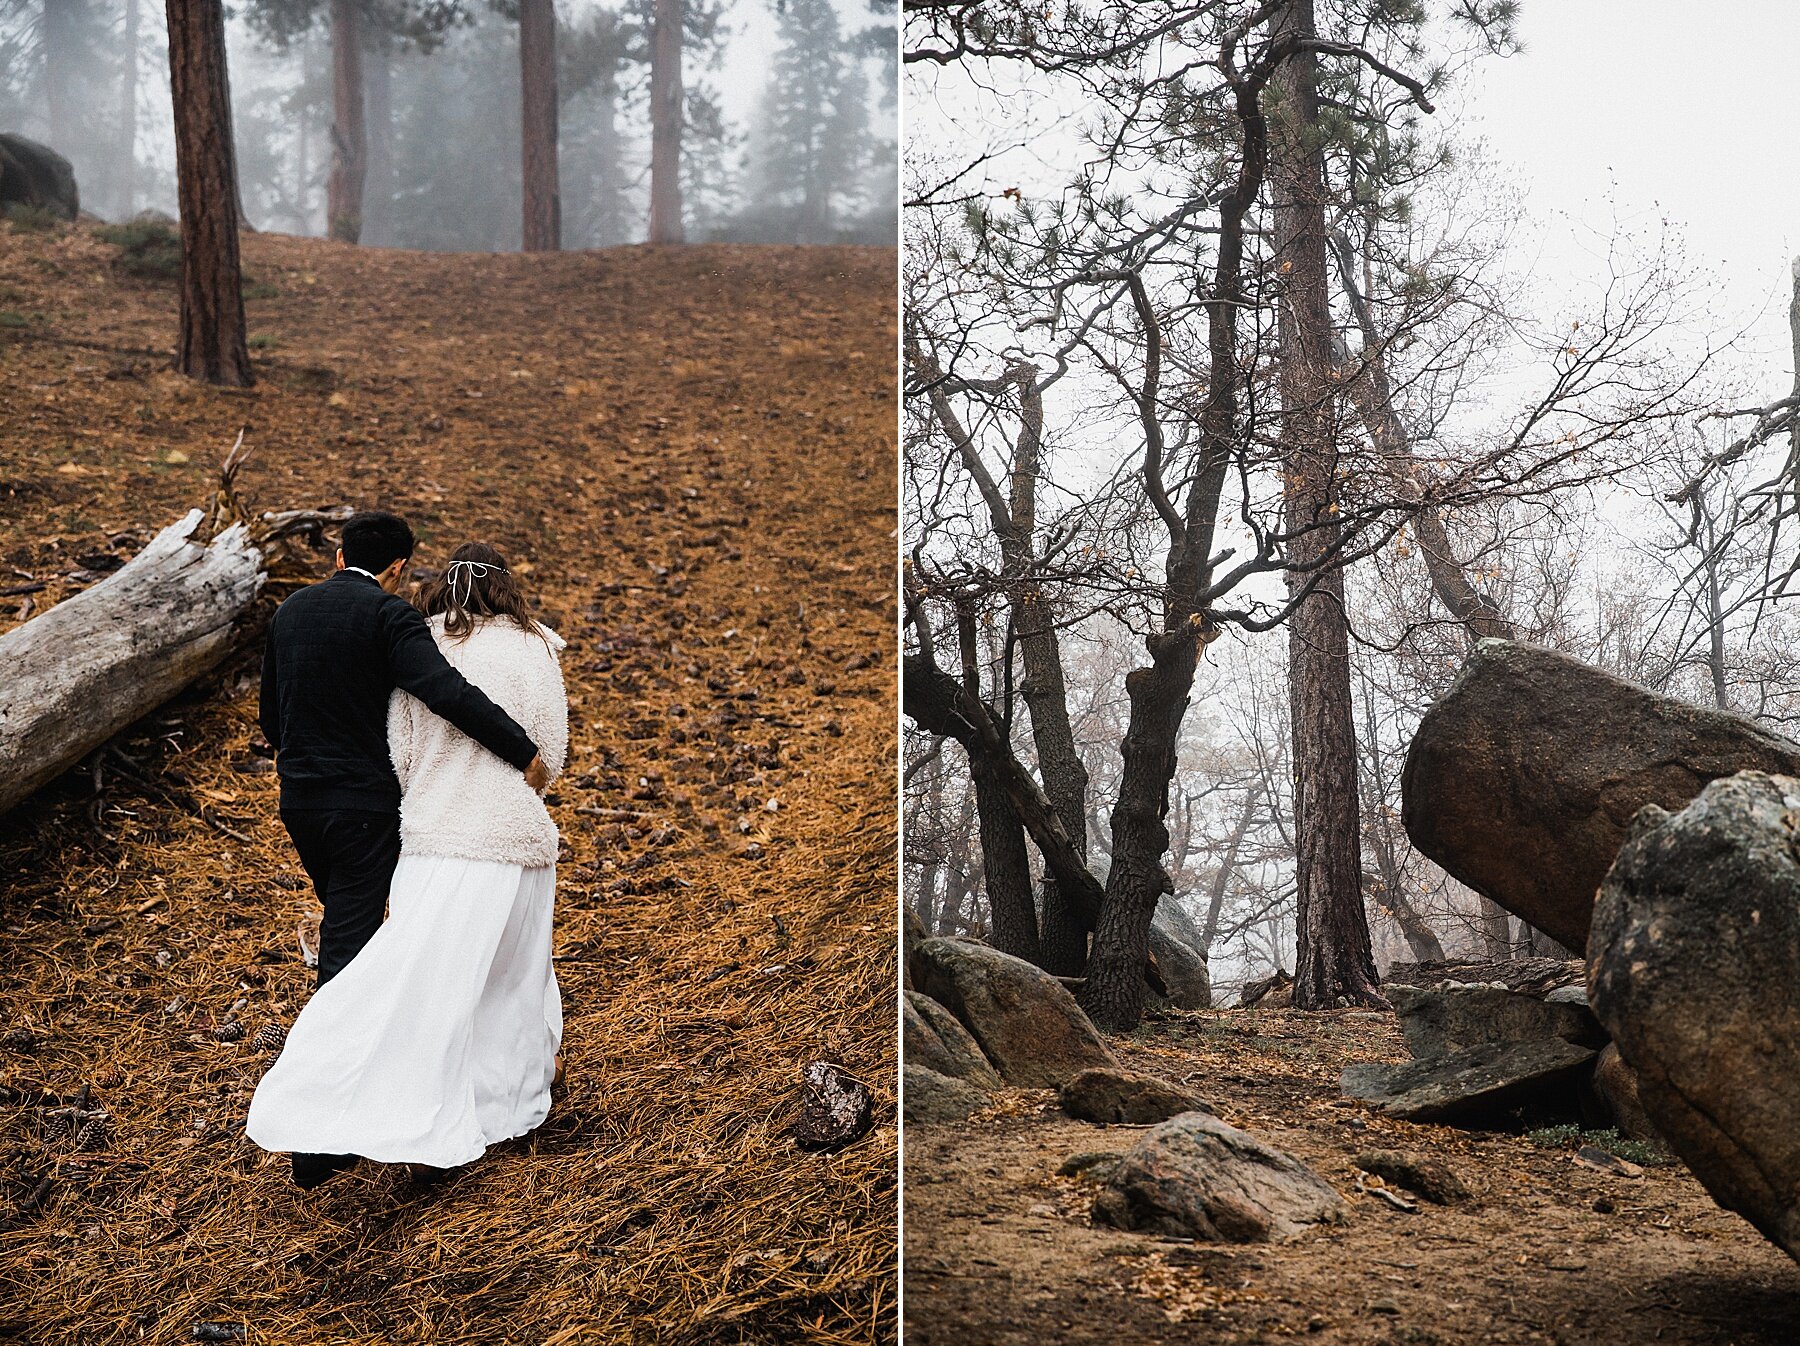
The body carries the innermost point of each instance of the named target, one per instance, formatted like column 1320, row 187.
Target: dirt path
column 691, row 453
column 999, row 1249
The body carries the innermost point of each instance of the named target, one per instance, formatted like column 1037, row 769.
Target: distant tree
column 212, row 343
column 665, row 122
column 810, row 140
column 541, row 197
column 592, row 59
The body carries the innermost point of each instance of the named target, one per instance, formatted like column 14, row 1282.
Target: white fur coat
column 456, row 797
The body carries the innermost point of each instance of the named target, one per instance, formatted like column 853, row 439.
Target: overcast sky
column 1681, row 109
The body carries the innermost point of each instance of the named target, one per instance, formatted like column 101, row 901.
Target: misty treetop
column 784, row 115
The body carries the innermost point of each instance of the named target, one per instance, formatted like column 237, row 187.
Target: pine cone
column 229, row 1031
column 269, row 1038
column 95, row 1133
column 61, row 1125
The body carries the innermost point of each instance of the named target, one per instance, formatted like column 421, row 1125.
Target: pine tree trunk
column 1113, row 994
column 1005, row 866
column 378, row 184
column 212, row 343
column 665, row 124
column 349, row 135
column 128, row 96
column 1333, row 957
column 542, row 195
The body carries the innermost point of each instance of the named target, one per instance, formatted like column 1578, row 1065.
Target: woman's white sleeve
column 401, row 737
column 554, row 744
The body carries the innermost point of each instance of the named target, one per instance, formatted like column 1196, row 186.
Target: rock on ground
column 1422, row 1176
column 1113, row 1097
column 36, row 175
column 1615, row 1082
column 836, row 1110
column 1025, row 1021
column 932, row 1037
column 1183, row 969
column 1524, row 777
column 930, row 1097
column 1194, row 1176
column 1694, row 967
column 1473, row 1083
column 1454, row 1017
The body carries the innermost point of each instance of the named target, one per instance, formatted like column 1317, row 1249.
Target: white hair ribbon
column 470, row 572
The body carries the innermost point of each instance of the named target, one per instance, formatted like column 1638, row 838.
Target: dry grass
column 708, row 521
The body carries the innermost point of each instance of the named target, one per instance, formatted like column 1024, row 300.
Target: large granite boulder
column 1128, row 1097
column 1194, row 1176
column 1025, row 1021
column 1524, row 777
column 1694, row 967
column 932, row 1037
column 1183, row 969
column 927, row 1096
column 1453, row 1017
column 36, row 175
column 1475, row 1084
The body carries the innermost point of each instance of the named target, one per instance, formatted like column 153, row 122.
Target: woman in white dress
column 441, row 1037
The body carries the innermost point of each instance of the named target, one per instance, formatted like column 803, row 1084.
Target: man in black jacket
column 336, row 652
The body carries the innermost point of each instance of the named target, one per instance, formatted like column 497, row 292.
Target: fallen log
column 90, row 666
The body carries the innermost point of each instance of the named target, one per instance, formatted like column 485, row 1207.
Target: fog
column 775, row 91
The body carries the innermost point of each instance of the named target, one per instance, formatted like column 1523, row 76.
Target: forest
column 264, row 270
column 400, row 124
column 1317, row 550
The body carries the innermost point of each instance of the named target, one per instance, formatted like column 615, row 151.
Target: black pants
column 350, row 856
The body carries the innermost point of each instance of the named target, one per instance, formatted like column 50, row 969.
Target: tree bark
column 1005, row 866
column 92, row 665
column 212, row 344
column 378, row 182
column 1113, row 993
column 665, row 123
column 1013, row 518
column 542, row 194
column 1334, row 960
column 349, row 135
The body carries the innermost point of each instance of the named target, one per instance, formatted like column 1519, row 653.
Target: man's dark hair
column 375, row 539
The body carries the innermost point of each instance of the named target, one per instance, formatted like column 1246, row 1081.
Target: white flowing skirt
column 439, row 1038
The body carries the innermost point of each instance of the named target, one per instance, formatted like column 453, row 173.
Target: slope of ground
column 690, row 454
column 1000, row 1250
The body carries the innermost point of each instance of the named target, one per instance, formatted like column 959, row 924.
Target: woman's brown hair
column 475, row 584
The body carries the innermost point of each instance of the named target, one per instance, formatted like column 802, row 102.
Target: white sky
column 1687, row 110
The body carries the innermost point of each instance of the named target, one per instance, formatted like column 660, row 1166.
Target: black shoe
column 312, row 1169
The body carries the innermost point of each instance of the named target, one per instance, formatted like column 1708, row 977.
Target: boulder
column 36, row 175
column 1476, row 1083
column 1094, row 1165
column 1183, row 970
column 1024, row 1020
column 1536, row 976
column 927, row 1096
column 1194, row 1176
column 1523, row 778
column 1422, row 1176
column 1454, row 1017
column 1113, row 1097
column 933, row 1038
column 1616, row 1085
column 1693, row 966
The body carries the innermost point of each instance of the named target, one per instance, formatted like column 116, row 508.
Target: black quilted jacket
column 336, row 652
